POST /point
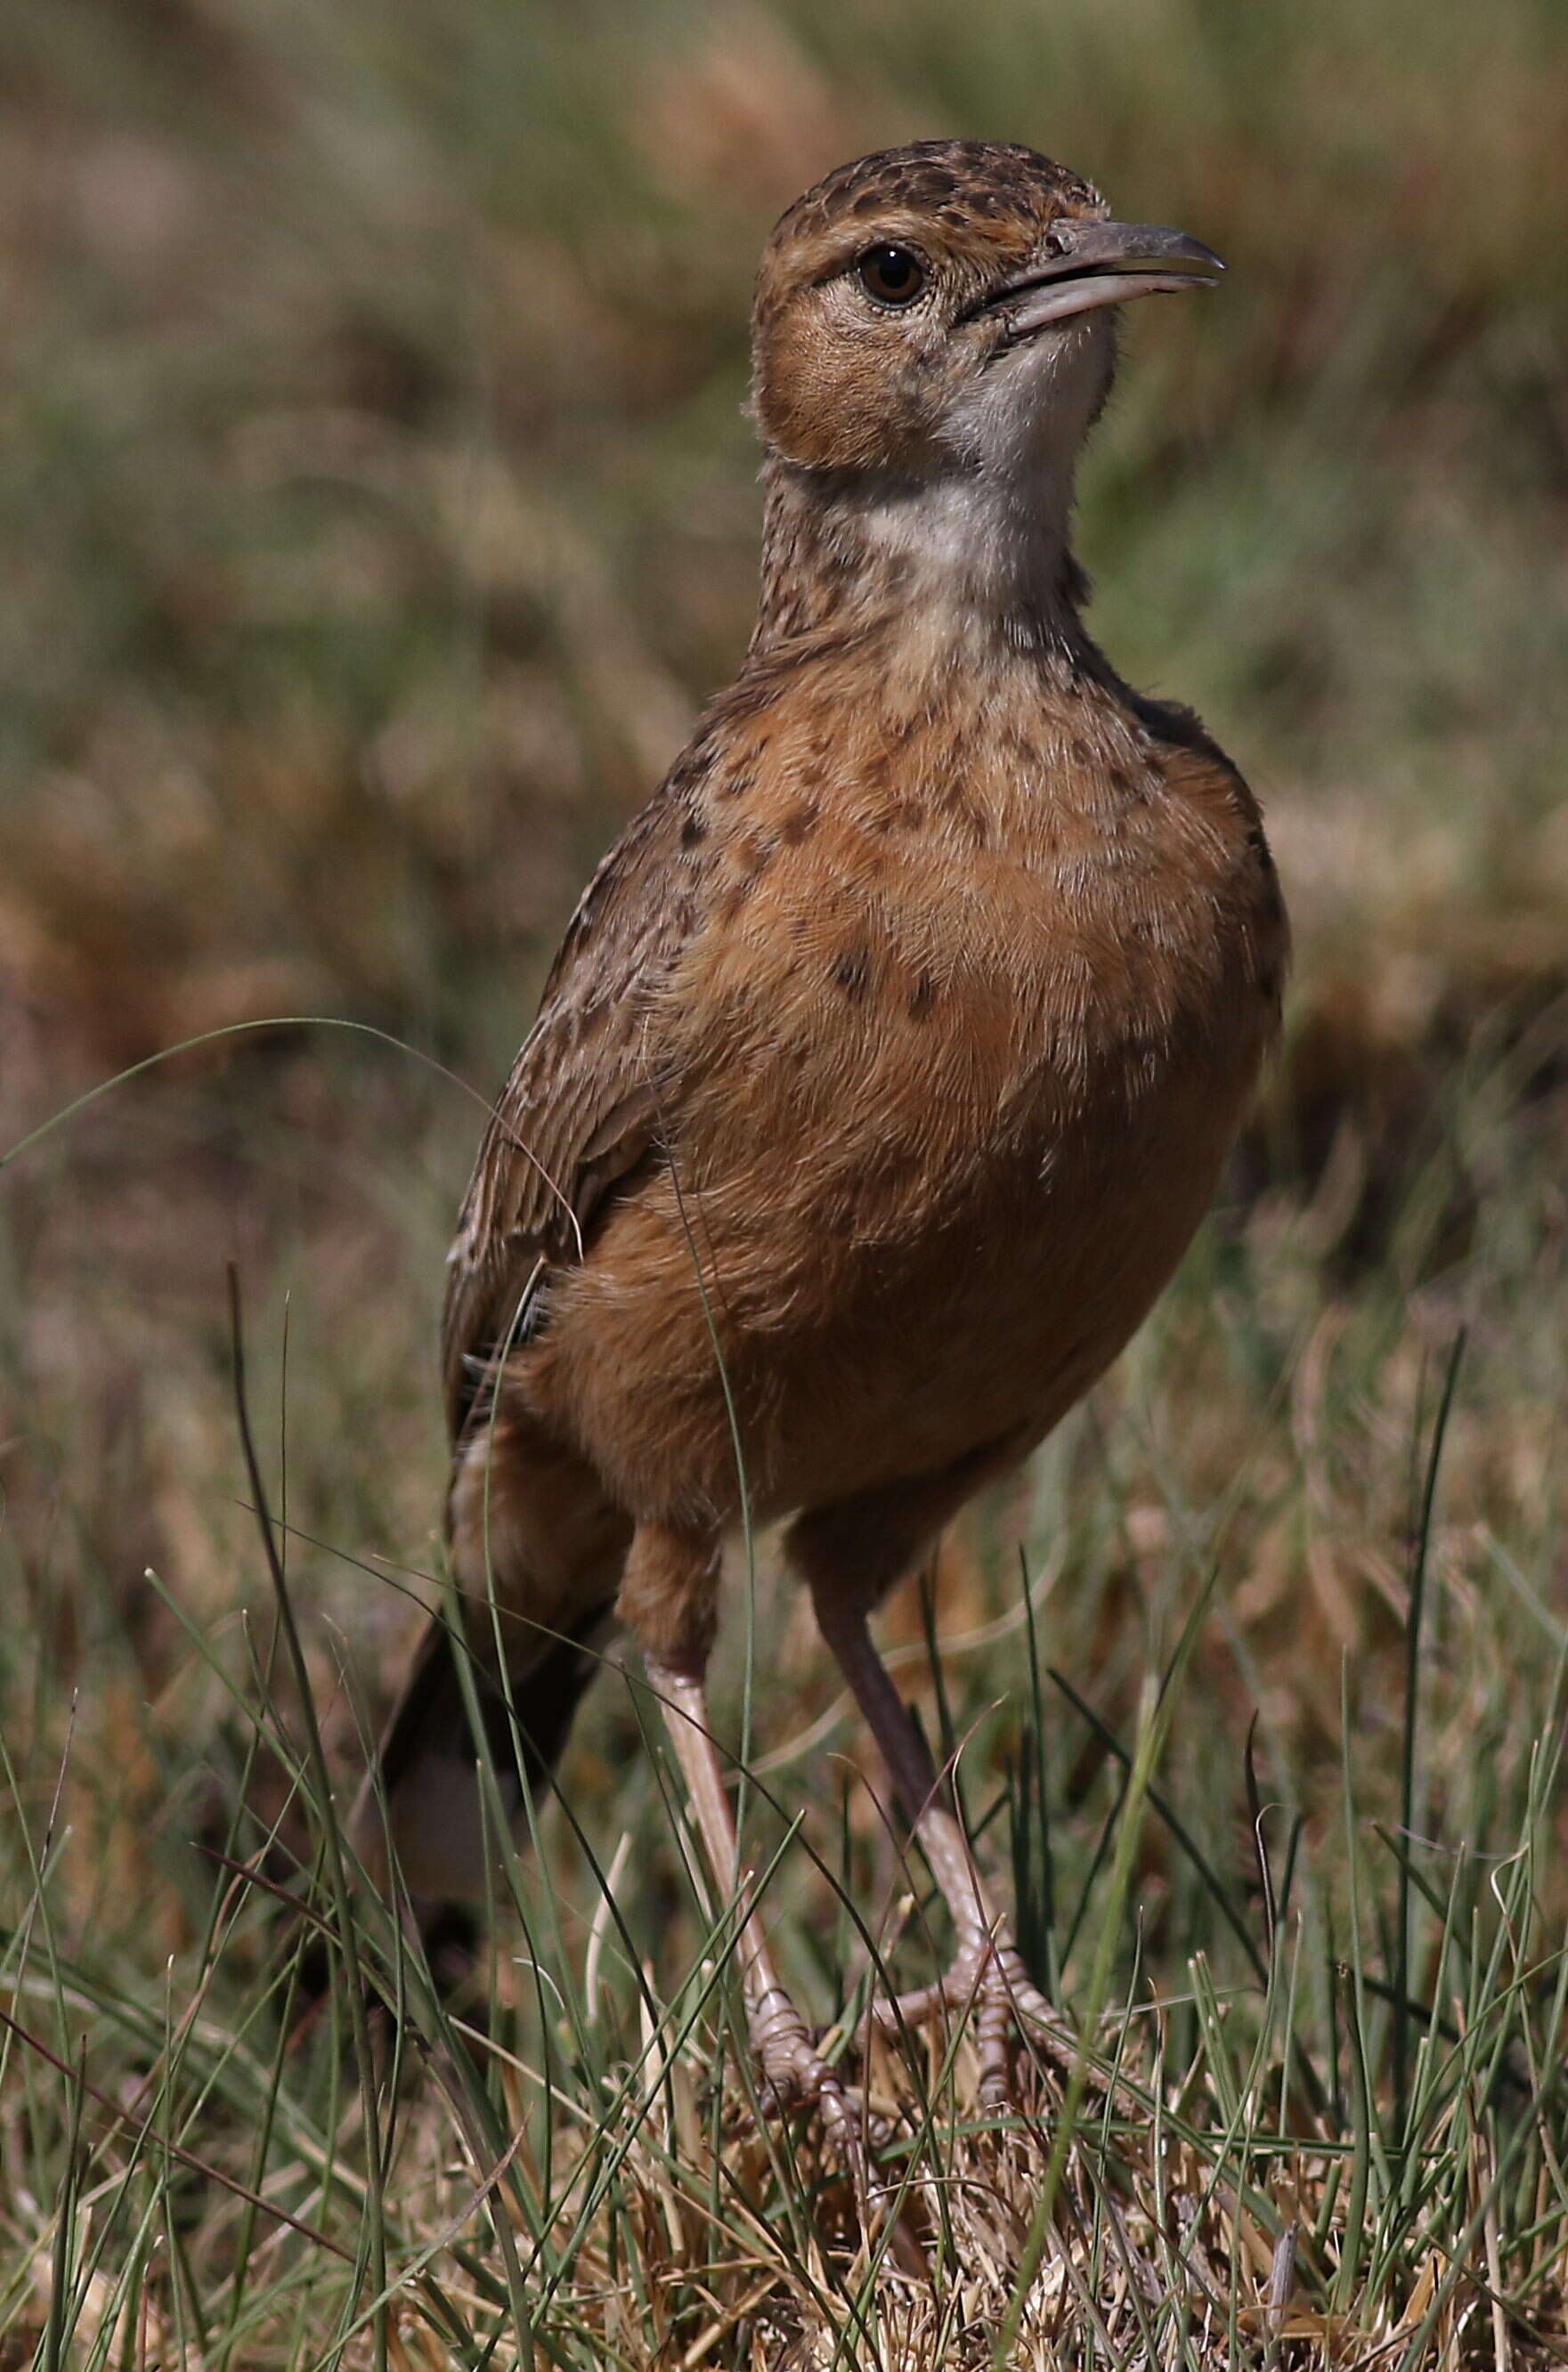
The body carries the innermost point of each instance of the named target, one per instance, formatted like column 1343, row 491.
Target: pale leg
column 987, row 1973
column 850, row 1553
column 788, row 2058
column 667, row 1574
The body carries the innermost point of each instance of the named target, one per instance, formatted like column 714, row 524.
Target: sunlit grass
column 379, row 509
column 1330, row 1935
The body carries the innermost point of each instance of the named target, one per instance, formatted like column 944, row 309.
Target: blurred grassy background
column 379, row 510
column 380, row 507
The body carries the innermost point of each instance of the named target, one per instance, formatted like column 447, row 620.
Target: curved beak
column 1083, row 264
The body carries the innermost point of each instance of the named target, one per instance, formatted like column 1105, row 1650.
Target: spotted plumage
column 893, row 1053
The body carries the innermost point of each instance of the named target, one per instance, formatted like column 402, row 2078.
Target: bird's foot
column 987, row 1983
column 793, row 2071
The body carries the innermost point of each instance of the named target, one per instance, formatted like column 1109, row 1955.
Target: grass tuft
column 380, row 510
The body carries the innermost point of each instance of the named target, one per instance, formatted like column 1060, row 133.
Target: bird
column 886, row 1066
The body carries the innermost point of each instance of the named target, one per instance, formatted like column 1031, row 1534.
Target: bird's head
column 945, row 308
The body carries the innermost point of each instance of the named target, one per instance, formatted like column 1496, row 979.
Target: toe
column 793, row 2071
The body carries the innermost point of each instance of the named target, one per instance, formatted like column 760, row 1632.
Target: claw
column 794, row 2070
column 987, row 1981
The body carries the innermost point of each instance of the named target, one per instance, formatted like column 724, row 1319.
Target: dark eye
column 893, row 275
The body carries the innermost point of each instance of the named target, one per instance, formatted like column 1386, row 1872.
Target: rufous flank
column 886, row 1068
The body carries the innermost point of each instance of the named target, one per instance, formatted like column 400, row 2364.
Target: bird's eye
column 891, row 276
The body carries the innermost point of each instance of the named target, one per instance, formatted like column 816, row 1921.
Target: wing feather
column 581, row 1108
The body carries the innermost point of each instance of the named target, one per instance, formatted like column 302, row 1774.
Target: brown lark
column 888, row 1064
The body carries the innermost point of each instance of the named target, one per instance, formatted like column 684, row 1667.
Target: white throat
column 974, row 542
column 979, row 541
column 990, row 535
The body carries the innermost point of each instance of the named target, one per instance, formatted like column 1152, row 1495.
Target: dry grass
column 379, row 509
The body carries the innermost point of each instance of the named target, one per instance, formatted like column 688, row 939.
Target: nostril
column 1055, row 242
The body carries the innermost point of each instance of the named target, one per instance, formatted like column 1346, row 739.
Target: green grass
column 1360, row 2049
column 379, row 509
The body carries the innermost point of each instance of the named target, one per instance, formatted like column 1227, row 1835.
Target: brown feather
column 893, row 1053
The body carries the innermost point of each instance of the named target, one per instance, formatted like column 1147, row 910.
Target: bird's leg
column 660, row 1578
column 987, row 1974
column 789, row 2059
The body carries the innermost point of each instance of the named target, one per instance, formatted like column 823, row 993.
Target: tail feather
column 423, row 1787
column 529, row 1523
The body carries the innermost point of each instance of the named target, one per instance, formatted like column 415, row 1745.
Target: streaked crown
column 896, row 297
